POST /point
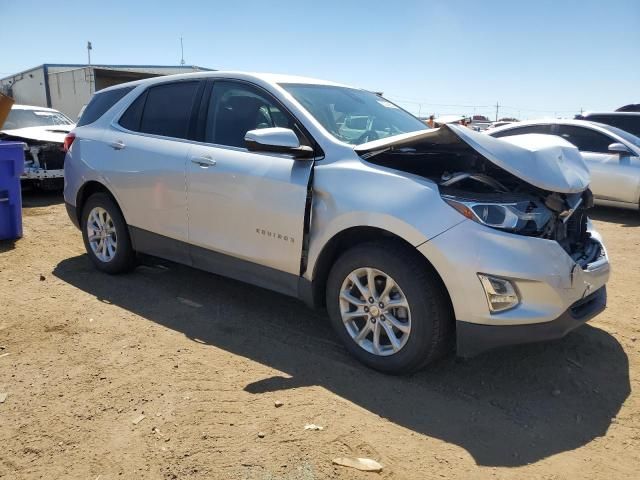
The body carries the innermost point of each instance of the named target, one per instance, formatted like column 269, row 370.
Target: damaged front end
column 536, row 213
column 44, row 156
column 534, row 186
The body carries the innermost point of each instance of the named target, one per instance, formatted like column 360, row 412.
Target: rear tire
column 421, row 328
column 106, row 235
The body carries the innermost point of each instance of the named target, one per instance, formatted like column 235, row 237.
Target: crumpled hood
column 49, row 133
column 544, row 161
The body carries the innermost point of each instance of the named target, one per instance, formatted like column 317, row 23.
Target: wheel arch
column 86, row 190
column 349, row 238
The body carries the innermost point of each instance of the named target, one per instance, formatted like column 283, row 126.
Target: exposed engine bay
column 44, row 160
column 489, row 194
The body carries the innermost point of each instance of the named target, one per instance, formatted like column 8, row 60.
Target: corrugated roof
column 97, row 65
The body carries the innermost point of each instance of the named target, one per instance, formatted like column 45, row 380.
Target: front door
column 246, row 209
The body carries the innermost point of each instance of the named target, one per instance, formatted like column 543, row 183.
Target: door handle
column 117, row 145
column 204, row 161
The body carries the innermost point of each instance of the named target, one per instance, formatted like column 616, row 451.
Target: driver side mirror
column 619, row 148
column 276, row 140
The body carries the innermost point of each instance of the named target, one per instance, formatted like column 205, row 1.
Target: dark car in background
column 628, row 121
column 632, row 107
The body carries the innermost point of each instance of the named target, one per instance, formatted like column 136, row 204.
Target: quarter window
column 236, row 108
column 165, row 110
column 131, row 118
column 100, row 103
column 585, row 139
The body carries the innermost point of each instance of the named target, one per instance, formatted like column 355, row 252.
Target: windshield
column 351, row 115
column 629, row 137
column 34, row 118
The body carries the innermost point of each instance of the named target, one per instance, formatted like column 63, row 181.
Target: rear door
column 146, row 166
column 613, row 177
column 246, row 209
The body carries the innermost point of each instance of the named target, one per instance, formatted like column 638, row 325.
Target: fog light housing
column 501, row 293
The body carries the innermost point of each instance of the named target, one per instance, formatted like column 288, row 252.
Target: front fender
column 355, row 194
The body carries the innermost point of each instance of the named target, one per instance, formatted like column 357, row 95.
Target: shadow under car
column 506, row 408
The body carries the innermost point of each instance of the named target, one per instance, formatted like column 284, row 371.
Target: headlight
column 513, row 216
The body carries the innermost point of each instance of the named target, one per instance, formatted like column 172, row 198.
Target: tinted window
column 600, row 118
column 100, row 103
column 131, row 118
column 629, row 123
column 629, row 137
column 236, row 108
column 544, row 129
column 167, row 109
column 585, row 139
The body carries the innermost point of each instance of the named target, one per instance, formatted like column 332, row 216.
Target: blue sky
column 536, row 58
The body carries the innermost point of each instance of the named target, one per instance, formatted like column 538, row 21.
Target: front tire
column 403, row 322
column 106, row 235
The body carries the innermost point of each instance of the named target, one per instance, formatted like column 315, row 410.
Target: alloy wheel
column 101, row 233
column 375, row 311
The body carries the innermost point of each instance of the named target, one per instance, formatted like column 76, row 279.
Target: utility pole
column 89, row 48
column 497, row 109
column 181, row 52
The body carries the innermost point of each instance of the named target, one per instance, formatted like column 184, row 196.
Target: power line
column 417, row 102
column 538, row 110
column 425, row 103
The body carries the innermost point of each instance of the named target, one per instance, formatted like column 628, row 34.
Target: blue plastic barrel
column 11, row 168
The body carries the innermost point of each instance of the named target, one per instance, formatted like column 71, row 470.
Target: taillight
column 68, row 141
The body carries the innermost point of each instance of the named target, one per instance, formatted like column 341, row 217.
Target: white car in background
column 612, row 154
column 43, row 131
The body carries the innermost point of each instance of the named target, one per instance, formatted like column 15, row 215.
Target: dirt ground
column 204, row 359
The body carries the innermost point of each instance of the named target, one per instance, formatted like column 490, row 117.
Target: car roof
column 546, row 121
column 558, row 121
column 260, row 78
column 16, row 106
column 614, row 114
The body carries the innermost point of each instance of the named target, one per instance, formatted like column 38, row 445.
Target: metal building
column 68, row 87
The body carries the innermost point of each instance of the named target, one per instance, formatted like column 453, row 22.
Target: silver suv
column 412, row 238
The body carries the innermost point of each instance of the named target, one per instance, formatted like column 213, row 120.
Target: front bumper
column 473, row 338
column 549, row 284
column 36, row 173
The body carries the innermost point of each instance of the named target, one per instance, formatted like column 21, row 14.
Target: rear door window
column 544, row 129
column 100, row 103
column 585, row 139
column 166, row 111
